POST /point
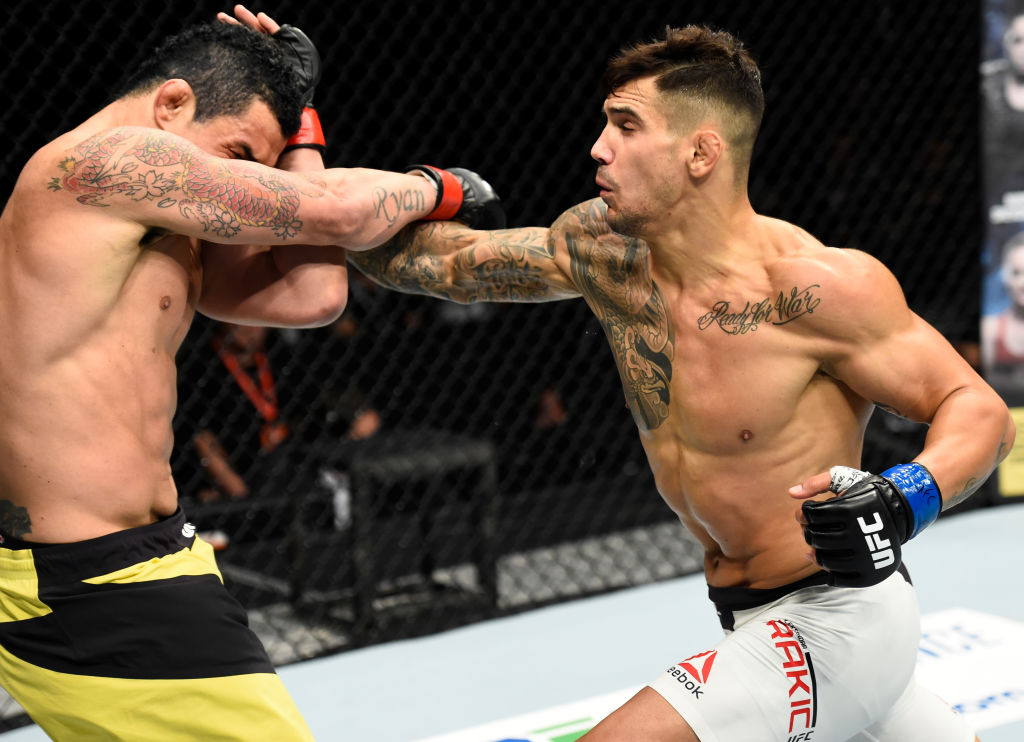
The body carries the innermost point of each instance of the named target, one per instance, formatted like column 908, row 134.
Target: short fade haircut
column 228, row 66
column 709, row 70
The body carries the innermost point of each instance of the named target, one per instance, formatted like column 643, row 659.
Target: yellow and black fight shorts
column 132, row 636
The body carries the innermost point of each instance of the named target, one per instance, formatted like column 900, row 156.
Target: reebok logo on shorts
column 693, row 672
column 795, row 662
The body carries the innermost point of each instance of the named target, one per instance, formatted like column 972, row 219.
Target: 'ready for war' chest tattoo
column 780, row 310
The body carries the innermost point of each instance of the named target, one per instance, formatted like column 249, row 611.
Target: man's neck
column 706, row 243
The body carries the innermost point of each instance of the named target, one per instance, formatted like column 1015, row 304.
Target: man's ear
column 174, row 104
column 706, row 147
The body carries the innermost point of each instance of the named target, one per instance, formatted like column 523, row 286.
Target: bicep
column 909, row 370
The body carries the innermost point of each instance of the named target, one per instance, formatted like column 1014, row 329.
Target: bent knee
column 645, row 716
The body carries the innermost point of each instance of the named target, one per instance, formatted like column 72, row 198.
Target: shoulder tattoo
column 613, row 273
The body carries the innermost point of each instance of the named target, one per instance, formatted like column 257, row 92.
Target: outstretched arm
column 161, row 181
column 531, row 264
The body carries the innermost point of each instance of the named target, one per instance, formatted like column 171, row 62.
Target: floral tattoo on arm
column 221, row 199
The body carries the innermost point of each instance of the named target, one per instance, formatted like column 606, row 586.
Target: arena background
column 506, row 472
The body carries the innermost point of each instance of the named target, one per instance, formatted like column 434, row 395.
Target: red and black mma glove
column 464, row 196
column 305, row 60
column 857, row 536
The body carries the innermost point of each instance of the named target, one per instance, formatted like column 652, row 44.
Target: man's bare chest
column 701, row 361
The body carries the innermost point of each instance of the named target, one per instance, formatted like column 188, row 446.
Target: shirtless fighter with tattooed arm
column 114, row 623
column 751, row 357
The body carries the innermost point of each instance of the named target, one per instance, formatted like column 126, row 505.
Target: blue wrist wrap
column 915, row 483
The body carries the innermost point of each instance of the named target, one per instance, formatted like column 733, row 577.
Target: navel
column 746, row 435
column 165, row 303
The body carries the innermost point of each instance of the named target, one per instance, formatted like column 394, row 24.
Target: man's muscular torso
column 92, row 311
column 724, row 377
column 726, row 356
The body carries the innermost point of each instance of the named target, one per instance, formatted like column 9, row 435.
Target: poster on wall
column 1002, row 135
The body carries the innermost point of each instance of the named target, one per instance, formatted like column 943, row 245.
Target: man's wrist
column 919, row 492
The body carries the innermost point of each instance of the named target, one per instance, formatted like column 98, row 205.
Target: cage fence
column 444, row 463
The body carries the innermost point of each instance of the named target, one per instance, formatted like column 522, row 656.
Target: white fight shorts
column 812, row 663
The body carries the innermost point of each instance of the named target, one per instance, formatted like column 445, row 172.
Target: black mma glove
column 464, row 196
column 857, row 536
column 305, row 60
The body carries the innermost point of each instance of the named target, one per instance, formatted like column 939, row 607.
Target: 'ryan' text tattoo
column 389, row 205
column 785, row 309
column 14, row 520
column 220, row 199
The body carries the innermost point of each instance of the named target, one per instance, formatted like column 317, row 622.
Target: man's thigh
column 824, row 663
column 918, row 714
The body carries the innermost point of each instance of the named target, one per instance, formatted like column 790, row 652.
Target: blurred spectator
column 241, row 422
column 1002, row 334
column 244, row 431
column 1003, row 109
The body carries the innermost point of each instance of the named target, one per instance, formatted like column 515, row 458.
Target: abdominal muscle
column 89, row 392
column 85, row 448
column 730, row 489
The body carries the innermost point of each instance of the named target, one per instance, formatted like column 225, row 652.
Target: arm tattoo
column 389, row 205
column 504, row 271
column 613, row 274
column 14, row 520
column 503, row 266
column 610, row 270
column 220, row 199
column 408, row 262
column 970, row 487
column 785, row 309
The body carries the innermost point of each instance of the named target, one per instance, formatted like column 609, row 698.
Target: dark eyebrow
column 246, row 152
column 623, row 109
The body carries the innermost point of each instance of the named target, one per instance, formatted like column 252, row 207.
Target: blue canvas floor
column 512, row 676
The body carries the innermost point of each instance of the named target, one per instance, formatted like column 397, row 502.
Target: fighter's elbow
column 1009, row 436
column 329, row 303
column 347, row 224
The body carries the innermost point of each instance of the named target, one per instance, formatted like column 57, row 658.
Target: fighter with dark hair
column 114, row 622
column 751, row 357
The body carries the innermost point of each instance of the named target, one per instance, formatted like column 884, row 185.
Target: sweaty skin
column 106, row 254
column 751, row 356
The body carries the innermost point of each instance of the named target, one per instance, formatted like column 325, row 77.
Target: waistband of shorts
column 96, row 556
column 727, row 600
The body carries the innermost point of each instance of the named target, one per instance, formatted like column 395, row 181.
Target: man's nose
column 600, row 151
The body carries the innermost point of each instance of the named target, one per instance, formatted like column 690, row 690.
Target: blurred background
column 434, row 464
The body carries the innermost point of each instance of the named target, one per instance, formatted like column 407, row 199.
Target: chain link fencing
column 446, row 463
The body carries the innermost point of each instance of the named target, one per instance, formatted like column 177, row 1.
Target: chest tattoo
column 785, row 308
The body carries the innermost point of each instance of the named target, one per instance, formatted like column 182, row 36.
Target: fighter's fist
column 464, row 196
column 305, row 60
column 857, row 536
column 303, row 57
